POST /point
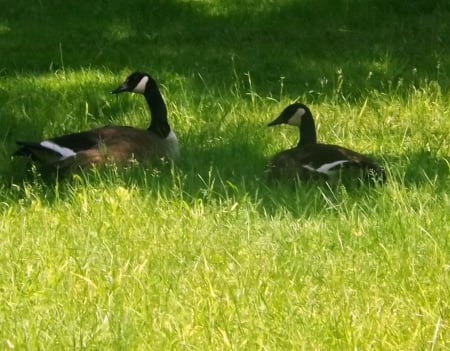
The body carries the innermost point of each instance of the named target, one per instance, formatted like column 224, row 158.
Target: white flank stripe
column 309, row 168
column 326, row 168
column 140, row 87
column 63, row 151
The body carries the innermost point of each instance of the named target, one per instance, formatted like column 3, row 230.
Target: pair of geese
column 119, row 144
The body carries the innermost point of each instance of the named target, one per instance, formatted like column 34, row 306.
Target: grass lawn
column 205, row 254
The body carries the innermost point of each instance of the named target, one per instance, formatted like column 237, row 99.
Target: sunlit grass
column 117, row 263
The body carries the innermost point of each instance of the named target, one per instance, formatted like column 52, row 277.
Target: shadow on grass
column 367, row 42
column 196, row 177
column 241, row 180
column 216, row 168
column 420, row 168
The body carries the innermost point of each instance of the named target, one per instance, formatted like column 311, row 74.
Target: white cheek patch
column 65, row 152
column 327, row 168
column 140, row 87
column 296, row 118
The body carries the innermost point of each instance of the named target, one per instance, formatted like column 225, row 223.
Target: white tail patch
column 65, row 152
column 173, row 146
column 140, row 87
column 296, row 118
column 327, row 168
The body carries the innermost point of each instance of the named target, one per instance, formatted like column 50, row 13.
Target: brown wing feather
column 126, row 142
column 119, row 145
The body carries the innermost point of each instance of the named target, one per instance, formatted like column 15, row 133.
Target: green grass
column 205, row 254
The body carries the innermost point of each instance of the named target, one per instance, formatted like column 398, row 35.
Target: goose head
column 298, row 115
column 136, row 82
column 293, row 115
column 143, row 83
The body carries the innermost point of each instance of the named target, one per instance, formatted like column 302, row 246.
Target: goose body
column 311, row 160
column 111, row 144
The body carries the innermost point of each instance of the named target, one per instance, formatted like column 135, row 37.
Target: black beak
column 276, row 121
column 121, row 88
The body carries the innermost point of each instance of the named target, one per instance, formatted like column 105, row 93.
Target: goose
column 311, row 160
column 111, row 144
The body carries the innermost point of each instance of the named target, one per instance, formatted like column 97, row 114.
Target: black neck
column 158, row 111
column 307, row 131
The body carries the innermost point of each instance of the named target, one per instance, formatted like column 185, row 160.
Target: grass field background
column 206, row 254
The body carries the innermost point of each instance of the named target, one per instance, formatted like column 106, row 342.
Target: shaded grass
column 312, row 44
